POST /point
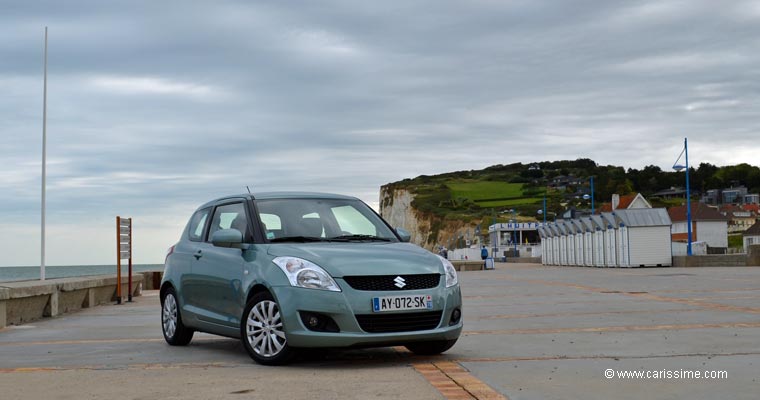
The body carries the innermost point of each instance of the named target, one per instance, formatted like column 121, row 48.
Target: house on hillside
column 562, row 182
column 739, row 220
column 711, row 196
column 672, row 193
column 627, row 202
column 707, row 225
column 751, row 236
column 732, row 195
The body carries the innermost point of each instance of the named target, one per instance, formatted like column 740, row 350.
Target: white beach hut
column 562, row 231
column 588, row 241
column 579, row 241
column 545, row 246
column 557, row 238
column 569, row 242
column 644, row 237
column 610, row 240
column 599, row 246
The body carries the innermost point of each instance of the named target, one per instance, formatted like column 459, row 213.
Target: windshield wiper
column 301, row 239
column 361, row 237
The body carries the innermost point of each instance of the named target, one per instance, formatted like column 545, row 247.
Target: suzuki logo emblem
column 400, row 282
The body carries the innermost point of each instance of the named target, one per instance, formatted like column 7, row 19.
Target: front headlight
column 306, row 274
column 451, row 272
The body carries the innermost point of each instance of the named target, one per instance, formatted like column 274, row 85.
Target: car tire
column 430, row 348
column 262, row 331
column 175, row 332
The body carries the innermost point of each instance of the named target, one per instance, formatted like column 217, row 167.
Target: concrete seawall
column 751, row 259
column 22, row 302
column 711, row 260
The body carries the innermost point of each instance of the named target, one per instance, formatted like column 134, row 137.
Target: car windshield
column 314, row 220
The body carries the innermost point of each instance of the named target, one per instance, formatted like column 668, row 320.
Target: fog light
column 318, row 322
column 455, row 316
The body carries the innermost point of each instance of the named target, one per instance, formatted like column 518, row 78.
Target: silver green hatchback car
column 288, row 271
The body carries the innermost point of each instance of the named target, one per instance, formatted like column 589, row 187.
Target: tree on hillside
column 741, row 174
column 702, row 178
column 648, row 180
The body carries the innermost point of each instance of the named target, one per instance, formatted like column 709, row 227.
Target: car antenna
column 249, row 192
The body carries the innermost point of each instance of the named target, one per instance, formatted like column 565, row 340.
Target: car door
column 183, row 258
column 219, row 295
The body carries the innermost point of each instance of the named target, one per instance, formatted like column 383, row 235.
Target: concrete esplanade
column 530, row 332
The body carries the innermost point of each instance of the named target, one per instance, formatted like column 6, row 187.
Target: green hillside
column 495, row 191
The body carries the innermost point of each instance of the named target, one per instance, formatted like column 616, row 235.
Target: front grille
column 407, row 322
column 388, row 282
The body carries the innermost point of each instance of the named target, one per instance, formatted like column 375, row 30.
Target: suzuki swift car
column 289, row 271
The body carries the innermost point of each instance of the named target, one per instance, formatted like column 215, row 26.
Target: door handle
column 198, row 254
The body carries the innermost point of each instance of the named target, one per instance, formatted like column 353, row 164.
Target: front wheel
column 175, row 332
column 262, row 333
column 431, row 348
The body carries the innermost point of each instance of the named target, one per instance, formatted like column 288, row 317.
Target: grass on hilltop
column 491, row 194
column 485, row 190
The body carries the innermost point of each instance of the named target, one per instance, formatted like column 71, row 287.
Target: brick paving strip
column 456, row 383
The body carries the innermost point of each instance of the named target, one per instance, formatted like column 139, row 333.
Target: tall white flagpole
column 44, row 161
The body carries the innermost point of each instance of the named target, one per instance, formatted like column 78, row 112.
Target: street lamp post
column 544, row 210
column 514, row 229
column 495, row 237
column 679, row 167
column 590, row 196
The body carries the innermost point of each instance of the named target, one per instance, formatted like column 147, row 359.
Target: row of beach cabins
column 623, row 238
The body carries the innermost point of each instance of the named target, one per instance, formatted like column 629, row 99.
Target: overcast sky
column 157, row 107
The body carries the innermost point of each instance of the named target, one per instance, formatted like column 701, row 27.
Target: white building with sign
column 507, row 237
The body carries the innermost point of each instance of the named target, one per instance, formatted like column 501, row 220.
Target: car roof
column 281, row 195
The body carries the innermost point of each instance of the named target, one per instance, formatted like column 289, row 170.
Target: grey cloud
column 154, row 107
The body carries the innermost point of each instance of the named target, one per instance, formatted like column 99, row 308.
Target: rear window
column 198, row 224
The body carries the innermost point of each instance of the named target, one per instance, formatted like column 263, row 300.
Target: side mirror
column 227, row 238
column 405, row 236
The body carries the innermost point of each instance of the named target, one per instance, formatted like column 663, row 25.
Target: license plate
column 396, row 303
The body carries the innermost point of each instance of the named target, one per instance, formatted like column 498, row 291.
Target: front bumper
column 342, row 308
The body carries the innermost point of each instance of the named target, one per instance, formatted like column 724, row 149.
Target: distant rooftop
column 699, row 212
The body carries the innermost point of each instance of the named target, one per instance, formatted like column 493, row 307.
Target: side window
column 198, row 224
column 229, row 216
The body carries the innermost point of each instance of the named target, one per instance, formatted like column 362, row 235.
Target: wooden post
column 124, row 252
column 118, row 260
column 129, row 280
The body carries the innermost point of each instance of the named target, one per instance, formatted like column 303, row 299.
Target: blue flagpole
column 688, row 198
column 592, row 195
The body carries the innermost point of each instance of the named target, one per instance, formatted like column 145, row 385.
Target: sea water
column 9, row 274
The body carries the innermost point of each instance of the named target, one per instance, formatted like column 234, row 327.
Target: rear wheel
column 175, row 332
column 431, row 348
column 262, row 332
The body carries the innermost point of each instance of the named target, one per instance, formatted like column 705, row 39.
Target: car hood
column 347, row 259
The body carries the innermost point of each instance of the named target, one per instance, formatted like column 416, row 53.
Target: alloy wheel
column 264, row 329
column 170, row 315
